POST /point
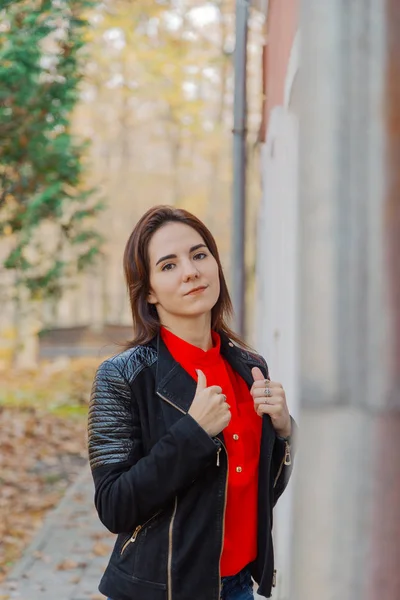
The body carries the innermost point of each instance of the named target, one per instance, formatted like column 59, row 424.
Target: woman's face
column 184, row 278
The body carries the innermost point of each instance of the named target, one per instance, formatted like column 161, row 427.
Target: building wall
column 347, row 544
column 276, row 316
column 281, row 25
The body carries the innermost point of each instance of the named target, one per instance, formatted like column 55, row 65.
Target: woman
column 189, row 440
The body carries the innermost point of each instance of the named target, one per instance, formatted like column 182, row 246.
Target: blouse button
column 235, row 436
column 238, row 469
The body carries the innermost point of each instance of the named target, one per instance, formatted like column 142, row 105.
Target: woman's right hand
column 209, row 407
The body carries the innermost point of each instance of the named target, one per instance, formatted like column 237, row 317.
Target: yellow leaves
column 162, row 104
column 8, row 333
column 53, row 386
column 67, row 565
column 40, row 454
column 101, row 549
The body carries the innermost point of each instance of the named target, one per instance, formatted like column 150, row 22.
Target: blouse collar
column 184, row 352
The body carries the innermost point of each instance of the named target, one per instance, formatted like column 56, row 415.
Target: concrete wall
column 347, row 503
column 277, row 295
column 282, row 26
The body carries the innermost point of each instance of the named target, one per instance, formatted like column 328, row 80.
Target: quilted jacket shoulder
column 130, row 362
column 110, row 414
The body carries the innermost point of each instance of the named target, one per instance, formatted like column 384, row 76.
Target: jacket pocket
column 140, row 528
column 149, row 584
column 126, row 587
column 143, row 555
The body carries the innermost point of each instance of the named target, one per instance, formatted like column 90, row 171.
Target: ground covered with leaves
column 43, row 446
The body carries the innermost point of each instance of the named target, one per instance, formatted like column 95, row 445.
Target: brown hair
column 137, row 274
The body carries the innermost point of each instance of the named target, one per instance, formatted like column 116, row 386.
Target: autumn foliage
column 42, row 447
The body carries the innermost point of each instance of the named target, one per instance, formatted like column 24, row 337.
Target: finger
column 261, row 393
column 268, row 400
column 201, row 381
column 267, row 383
column 268, row 409
column 222, row 398
column 275, row 385
column 257, row 374
column 215, row 389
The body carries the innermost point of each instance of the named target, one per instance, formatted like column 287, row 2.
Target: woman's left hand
column 273, row 405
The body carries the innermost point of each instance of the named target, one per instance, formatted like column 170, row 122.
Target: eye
column 200, row 256
column 168, row 267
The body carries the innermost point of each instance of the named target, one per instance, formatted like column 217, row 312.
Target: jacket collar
column 178, row 388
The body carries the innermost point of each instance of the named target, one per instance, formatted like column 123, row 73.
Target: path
column 67, row 557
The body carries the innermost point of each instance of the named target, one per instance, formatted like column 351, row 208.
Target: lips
column 197, row 289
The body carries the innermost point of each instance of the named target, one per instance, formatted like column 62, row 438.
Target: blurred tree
column 165, row 71
column 45, row 210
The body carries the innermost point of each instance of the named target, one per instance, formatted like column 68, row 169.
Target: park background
column 108, row 108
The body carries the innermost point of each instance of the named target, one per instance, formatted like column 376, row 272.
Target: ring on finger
column 267, row 392
column 228, row 405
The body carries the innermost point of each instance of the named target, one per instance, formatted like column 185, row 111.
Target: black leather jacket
column 159, row 484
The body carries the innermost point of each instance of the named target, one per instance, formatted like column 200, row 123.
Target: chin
column 202, row 308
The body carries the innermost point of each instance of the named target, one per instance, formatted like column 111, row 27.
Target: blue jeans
column 236, row 587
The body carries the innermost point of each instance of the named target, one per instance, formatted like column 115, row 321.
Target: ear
column 151, row 298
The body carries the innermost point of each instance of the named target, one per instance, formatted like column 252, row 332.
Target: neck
column 195, row 331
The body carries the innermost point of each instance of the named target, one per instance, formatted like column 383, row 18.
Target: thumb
column 257, row 374
column 201, row 381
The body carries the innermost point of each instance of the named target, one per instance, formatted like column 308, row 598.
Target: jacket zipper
column 223, row 518
column 171, row 403
column 176, row 505
column 171, row 527
column 132, row 539
column 177, row 407
column 286, row 461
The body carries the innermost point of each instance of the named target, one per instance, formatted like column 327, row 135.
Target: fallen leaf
column 67, row 565
column 40, row 456
column 101, row 549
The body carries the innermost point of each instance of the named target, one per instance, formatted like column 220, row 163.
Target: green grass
column 24, row 400
column 64, row 393
column 70, row 411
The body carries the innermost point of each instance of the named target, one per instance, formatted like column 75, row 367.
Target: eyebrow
column 169, row 256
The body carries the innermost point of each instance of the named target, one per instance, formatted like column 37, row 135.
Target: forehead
column 173, row 238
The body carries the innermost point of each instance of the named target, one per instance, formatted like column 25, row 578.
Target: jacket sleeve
column 282, row 462
column 130, row 487
column 281, row 470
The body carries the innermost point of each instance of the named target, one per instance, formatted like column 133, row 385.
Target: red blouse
column 242, row 440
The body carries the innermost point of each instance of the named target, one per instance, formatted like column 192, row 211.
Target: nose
column 190, row 271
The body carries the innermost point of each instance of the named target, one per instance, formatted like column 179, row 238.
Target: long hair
column 137, row 274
